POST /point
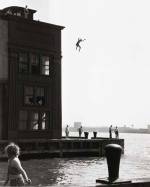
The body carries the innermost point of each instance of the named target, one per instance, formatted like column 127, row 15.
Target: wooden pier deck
column 65, row 147
column 136, row 182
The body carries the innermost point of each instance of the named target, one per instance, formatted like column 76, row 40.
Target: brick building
column 30, row 76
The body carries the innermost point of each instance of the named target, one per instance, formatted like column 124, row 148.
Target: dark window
column 9, row 12
column 23, row 120
column 34, row 95
column 52, row 67
column 23, row 63
column 28, row 95
column 33, row 120
column 45, row 62
column 17, row 14
column 39, row 96
column 34, row 64
column 44, row 120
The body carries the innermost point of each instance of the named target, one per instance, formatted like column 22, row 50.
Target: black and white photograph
column 74, row 93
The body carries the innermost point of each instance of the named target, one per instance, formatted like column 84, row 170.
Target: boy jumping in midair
column 78, row 43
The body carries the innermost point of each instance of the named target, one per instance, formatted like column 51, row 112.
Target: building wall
column 35, row 37
column 1, row 111
column 24, row 35
column 3, row 64
column 3, row 50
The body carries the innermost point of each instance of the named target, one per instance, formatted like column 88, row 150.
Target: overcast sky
column 108, row 81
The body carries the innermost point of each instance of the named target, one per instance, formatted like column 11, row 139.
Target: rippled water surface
column 135, row 163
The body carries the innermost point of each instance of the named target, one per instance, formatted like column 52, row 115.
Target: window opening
column 44, row 120
column 28, row 96
column 34, row 96
column 23, row 62
column 45, row 65
column 34, row 64
column 39, row 94
column 34, row 122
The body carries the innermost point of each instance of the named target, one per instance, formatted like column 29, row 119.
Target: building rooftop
column 23, row 12
column 15, row 12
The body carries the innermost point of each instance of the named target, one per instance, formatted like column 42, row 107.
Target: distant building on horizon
column 77, row 124
column 148, row 126
column 30, row 76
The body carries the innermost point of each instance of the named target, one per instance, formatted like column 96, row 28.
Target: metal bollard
column 113, row 154
column 86, row 135
column 94, row 134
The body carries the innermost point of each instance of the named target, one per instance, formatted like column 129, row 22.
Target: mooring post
column 94, row 134
column 86, row 135
column 113, row 154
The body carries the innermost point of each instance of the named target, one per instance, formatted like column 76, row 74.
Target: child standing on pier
column 16, row 175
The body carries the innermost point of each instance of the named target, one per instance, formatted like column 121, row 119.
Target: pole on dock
column 94, row 134
column 113, row 154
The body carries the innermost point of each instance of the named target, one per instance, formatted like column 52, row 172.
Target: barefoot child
column 16, row 175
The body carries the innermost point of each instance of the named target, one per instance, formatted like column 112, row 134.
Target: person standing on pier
column 16, row 175
column 67, row 131
column 116, row 132
column 80, row 131
column 110, row 131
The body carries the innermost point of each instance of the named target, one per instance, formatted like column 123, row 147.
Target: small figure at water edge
column 116, row 132
column 80, row 131
column 16, row 175
column 110, row 131
column 78, row 43
column 67, row 131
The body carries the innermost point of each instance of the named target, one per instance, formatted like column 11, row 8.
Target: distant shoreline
column 105, row 130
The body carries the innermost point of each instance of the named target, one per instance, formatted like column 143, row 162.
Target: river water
column 135, row 163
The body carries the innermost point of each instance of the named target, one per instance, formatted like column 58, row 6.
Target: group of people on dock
column 116, row 131
column 80, row 130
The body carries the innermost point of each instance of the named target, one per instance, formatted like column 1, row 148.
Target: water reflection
column 64, row 171
column 45, row 171
column 60, row 171
column 77, row 171
column 135, row 163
